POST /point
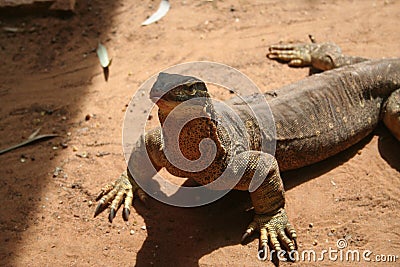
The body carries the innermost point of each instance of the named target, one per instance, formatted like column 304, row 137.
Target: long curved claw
column 275, row 230
column 111, row 216
column 125, row 214
column 250, row 230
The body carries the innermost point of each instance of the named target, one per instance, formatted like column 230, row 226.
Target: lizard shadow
column 389, row 148
column 182, row 236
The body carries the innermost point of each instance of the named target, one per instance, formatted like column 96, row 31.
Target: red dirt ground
column 51, row 78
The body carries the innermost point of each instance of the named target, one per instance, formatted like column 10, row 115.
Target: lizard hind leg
column 320, row 57
column 391, row 116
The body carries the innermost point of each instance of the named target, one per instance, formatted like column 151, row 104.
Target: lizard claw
column 275, row 230
column 125, row 214
column 111, row 216
column 113, row 194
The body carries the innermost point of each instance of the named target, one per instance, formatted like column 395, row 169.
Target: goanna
column 314, row 119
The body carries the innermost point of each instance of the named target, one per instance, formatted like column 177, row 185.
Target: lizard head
column 170, row 90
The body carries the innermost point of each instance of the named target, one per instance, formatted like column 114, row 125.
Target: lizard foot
column 297, row 55
column 323, row 56
column 122, row 189
column 274, row 229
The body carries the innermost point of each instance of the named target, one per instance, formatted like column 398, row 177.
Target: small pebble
column 132, row 232
column 101, row 154
column 88, row 117
column 83, row 154
column 143, row 227
column 311, row 225
column 63, row 145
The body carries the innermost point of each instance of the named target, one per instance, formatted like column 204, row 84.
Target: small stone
column 83, row 154
column 90, row 203
column 88, row 117
column 57, row 171
column 75, row 186
column 102, row 154
column 74, row 148
column 315, row 242
column 63, row 145
column 143, row 227
column 311, row 225
column 132, row 232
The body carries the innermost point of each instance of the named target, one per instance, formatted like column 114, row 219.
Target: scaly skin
column 315, row 118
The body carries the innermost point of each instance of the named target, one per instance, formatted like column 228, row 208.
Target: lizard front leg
column 145, row 161
column 261, row 177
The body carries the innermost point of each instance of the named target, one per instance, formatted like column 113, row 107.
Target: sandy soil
column 51, row 78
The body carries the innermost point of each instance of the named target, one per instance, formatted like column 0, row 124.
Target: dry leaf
column 161, row 12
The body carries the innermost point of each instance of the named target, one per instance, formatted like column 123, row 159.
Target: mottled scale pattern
column 325, row 114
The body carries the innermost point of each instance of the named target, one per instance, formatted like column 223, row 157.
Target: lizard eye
column 191, row 90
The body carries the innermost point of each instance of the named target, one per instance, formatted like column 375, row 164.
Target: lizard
column 315, row 119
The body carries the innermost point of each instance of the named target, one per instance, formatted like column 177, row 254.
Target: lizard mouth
column 164, row 104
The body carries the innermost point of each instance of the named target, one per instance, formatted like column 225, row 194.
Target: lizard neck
column 191, row 133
